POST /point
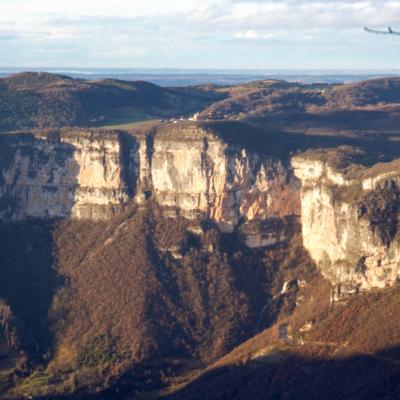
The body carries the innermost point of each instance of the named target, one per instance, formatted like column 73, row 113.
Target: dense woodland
column 99, row 299
column 41, row 100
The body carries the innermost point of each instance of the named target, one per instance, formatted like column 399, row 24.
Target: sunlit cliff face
column 192, row 172
column 189, row 171
column 346, row 229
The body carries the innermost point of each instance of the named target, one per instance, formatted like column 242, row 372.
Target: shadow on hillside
column 333, row 120
column 28, row 279
column 280, row 144
column 288, row 376
column 34, row 191
column 281, row 376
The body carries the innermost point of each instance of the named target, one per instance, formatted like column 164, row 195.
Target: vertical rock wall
column 344, row 225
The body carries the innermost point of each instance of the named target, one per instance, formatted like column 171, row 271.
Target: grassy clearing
column 34, row 385
column 128, row 122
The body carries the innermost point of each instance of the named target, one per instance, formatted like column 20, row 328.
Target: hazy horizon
column 198, row 76
column 178, row 70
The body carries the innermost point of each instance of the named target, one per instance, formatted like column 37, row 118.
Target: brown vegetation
column 364, row 106
column 138, row 293
column 41, row 100
column 349, row 351
column 381, row 208
column 134, row 302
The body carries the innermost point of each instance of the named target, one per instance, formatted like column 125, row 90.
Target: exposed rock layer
column 349, row 222
column 185, row 169
column 60, row 177
column 350, row 225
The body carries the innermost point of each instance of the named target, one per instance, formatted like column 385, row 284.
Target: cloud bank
column 194, row 33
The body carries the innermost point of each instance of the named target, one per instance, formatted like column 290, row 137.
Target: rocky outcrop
column 69, row 175
column 349, row 220
column 349, row 224
column 186, row 169
column 193, row 171
column 13, row 331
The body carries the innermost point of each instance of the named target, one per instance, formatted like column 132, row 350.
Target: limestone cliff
column 349, row 223
column 192, row 170
column 69, row 175
column 185, row 169
column 349, row 220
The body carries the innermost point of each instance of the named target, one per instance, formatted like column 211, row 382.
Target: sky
column 226, row 34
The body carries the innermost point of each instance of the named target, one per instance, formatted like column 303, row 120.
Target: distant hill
column 368, row 105
column 43, row 100
column 372, row 92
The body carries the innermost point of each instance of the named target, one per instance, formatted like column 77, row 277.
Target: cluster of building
column 194, row 117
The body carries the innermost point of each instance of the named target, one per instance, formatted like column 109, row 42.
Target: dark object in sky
column 390, row 31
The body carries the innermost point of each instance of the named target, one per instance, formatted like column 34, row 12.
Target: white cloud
column 177, row 31
column 234, row 18
column 310, row 14
column 126, row 8
column 253, row 35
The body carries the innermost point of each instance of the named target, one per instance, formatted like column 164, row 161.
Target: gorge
column 190, row 171
column 165, row 256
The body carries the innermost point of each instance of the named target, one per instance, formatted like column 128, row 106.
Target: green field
column 128, row 122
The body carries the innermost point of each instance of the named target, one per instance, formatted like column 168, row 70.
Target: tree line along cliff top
column 273, row 117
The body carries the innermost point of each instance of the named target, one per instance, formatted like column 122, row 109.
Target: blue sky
column 234, row 34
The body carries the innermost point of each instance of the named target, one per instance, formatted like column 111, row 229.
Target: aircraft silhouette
column 390, row 31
